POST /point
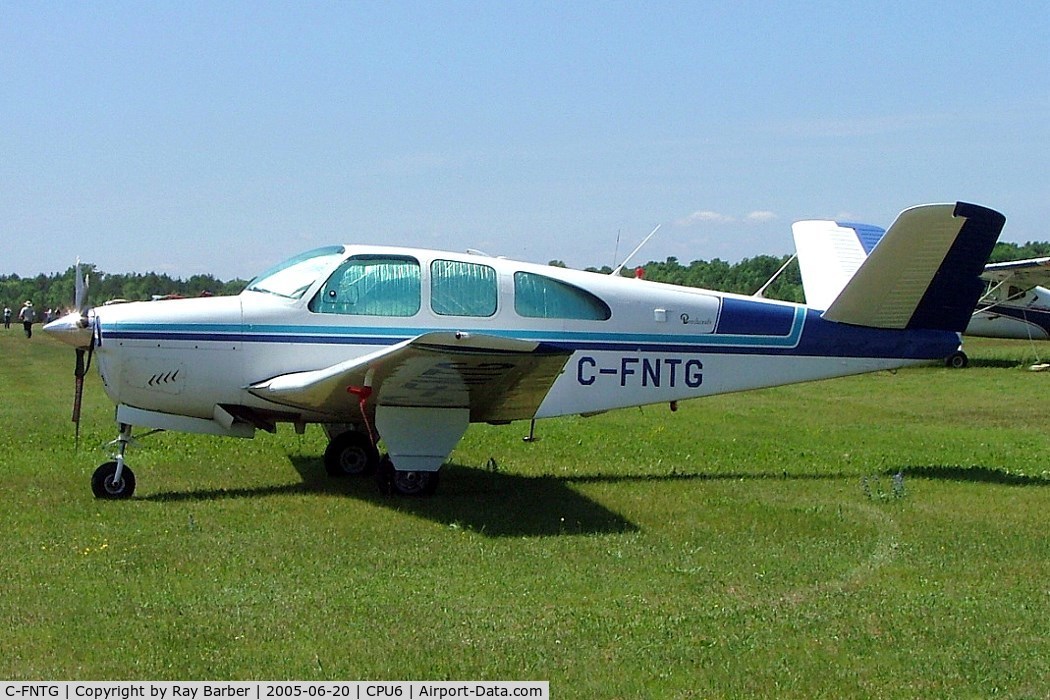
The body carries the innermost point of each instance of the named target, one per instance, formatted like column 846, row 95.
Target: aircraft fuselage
column 1014, row 313
column 658, row 343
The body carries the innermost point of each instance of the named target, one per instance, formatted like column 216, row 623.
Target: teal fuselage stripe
column 371, row 335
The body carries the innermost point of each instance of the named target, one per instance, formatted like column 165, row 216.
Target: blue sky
column 221, row 137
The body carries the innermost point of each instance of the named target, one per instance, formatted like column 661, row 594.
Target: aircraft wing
column 1020, row 273
column 498, row 379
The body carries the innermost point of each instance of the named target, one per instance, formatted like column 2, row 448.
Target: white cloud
column 705, row 217
column 761, row 217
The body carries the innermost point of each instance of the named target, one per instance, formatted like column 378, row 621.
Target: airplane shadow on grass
column 982, row 475
column 488, row 502
column 992, row 363
column 498, row 504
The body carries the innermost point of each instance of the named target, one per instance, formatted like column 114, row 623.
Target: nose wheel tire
column 105, row 486
column 957, row 360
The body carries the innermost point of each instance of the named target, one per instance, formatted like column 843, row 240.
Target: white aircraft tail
column 924, row 272
column 829, row 254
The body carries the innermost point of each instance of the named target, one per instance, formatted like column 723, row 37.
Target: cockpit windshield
column 293, row 277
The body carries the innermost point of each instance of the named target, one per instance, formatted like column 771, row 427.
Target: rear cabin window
column 371, row 285
column 536, row 296
column 462, row 289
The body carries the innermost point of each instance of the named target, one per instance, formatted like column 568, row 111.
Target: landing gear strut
column 112, row 480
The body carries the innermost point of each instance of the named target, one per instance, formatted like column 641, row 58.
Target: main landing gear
column 957, row 360
column 351, row 453
column 405, row 483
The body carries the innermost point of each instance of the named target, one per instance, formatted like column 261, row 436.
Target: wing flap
column 496, row 378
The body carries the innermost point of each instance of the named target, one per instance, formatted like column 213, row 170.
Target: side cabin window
column 371, row 285
column 462, row 288
column 536, row 296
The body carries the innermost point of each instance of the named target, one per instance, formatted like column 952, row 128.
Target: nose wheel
column 110, row 483
column 113, row 480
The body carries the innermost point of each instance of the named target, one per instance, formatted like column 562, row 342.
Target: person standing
column 7, row 317
column 27, row 315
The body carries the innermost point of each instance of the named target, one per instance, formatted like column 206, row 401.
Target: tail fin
column 829, row 254
column 925, row 272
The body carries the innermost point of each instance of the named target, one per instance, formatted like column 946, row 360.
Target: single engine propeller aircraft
column 413, row 345
column 1016, row 303
column 1013, row 304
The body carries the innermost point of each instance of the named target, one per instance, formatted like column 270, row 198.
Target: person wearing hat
column 27, row 315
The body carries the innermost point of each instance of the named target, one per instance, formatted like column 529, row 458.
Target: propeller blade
column 78, row 393
column 80, row 290
column 83, row 364
column 75, row 329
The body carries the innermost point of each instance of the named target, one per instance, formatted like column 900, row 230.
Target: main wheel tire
column 404, row 483
column 350, row 454
column 957, row 360
column 103, row 485
column 415, row 483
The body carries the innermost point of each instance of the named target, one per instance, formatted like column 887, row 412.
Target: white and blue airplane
column 410, row 346
column 1015, row 302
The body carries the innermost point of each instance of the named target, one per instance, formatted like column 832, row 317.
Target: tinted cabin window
column 371, row 286
column 536, row 296
column 462, row 289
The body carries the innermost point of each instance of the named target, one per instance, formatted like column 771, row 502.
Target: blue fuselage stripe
column 1038, row 317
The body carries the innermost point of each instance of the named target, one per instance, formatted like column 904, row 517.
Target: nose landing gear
column 113, row 480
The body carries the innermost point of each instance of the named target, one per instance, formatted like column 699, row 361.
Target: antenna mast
column 628, row 258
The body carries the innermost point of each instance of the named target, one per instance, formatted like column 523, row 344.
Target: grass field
column 751, row 545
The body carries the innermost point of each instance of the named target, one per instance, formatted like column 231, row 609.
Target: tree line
column 56, row 291
column 750, row 274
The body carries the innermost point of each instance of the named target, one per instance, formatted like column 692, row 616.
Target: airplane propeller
column 76, row 329
column 83, row 362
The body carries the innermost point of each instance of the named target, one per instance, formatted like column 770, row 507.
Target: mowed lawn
column 750, row 545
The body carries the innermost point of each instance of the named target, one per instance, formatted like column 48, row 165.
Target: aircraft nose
column 72, row 329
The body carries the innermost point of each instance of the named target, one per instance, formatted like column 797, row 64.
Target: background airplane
column 1017, row 301
column 1014, row 303
column 410, row 346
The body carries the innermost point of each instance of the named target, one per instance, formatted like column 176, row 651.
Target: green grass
column 747, row 545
